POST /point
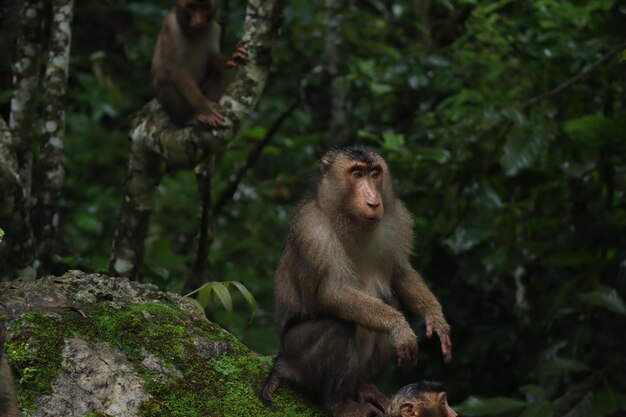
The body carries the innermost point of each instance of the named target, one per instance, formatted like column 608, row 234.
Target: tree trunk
column 157, row 143
column 16, row 139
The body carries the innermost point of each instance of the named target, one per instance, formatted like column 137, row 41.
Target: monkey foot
column 211, row 119
column 358, row 410
column 369, row 393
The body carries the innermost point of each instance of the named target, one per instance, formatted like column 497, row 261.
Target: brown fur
column 425, row 399
column 188, row 70
column 8, row 400
column 342, row 277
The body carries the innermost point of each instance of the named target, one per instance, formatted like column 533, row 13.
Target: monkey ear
column 326, row 164
column 409, row 409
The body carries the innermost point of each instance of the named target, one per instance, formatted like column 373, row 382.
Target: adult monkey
column 423, row 399
column 188, row 70
column 342, row 279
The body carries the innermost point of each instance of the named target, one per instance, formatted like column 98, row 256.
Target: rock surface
column 92, row 345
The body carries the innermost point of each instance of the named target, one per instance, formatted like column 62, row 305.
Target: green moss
column 222, row 387
column 35, row 355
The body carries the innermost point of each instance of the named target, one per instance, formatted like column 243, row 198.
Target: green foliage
column 220, row 289
column 475, row 406
column 519, row 208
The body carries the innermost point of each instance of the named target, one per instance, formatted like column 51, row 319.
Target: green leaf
column 568, row 365
column 221, row 291
column 88, row 223
column 582, row 408
column 438, row 155
column 204, row 294
column 520, row 151
column 247, row 295
column 607, row 402
column 533, row 393
column 478, row 406
column 392, row 141
column 1, row 234
column 595, row 130
column 605, row 297
column 542, row 409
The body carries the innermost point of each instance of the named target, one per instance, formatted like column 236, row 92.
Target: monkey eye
column 375, row 173
column 357, row 174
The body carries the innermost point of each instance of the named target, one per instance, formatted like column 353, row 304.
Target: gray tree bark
column 157, row 143
column 50, row 171
column 28, row 217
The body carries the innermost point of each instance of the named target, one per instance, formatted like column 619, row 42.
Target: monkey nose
column 373, row 204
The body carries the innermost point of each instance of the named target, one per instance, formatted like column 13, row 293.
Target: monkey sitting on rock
column 424, row 399
column 343, row 282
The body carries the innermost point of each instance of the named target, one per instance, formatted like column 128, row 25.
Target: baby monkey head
column 423, row 399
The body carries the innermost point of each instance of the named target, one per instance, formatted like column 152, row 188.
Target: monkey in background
column 8, row 400
column 188, row 70
column 342, row 282
column 424, row 399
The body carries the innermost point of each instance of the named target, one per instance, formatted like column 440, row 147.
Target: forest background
column 504, row 124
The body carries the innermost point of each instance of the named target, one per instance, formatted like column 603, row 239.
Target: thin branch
column 230, row 190
column 567, row 84
column 205, row 237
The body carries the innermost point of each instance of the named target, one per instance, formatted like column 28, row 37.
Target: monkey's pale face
column 365, row 182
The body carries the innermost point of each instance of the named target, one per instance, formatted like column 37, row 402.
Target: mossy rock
column 92, row 345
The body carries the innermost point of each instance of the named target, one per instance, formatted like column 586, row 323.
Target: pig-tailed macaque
column 8, row 401
column 424, row 399
column 188, row 70
column 342, row 284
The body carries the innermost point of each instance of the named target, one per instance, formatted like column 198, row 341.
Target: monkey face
column 430, row 404
column 366, row 182
column 194, row 15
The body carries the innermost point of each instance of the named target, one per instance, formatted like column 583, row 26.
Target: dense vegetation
column 504, row 124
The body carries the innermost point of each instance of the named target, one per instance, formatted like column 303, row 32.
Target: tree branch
column 253, row 156
column 156, row 140
column 567, row 84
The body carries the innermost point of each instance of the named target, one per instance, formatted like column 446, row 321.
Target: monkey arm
column 350, row 304
column 417, row 297
column 189, row 88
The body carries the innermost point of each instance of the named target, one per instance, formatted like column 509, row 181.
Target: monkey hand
column 210, row 116
column 405, row 343
column 442, row 328
column 239, row 56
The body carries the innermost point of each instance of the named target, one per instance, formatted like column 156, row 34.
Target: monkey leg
column 324, row 354
column 214, row 85
column 354, row 409
column 377, row 353
column 369, row 393
column 171, row 100
column 281, row 370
